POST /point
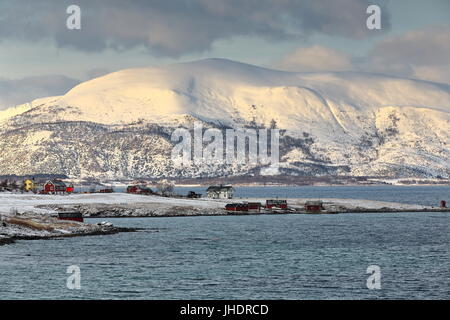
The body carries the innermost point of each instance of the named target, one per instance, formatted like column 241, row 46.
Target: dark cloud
column 177, row 27
column 422, row 54
column 18, row 91
column 428, row 46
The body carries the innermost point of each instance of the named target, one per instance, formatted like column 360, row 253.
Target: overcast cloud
column 315, row 58
column 422, row 54
column 18, row 91
column 178, row 27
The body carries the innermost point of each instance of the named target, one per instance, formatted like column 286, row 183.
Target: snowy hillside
column 119, row 125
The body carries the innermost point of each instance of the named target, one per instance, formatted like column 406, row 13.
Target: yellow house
column 29, row 185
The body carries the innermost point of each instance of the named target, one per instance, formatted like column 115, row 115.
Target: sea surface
column 424, row 195
column 248, row 257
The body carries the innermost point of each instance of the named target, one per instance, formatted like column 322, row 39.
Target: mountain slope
column 119, row 125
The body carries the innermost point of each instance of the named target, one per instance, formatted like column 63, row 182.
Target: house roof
column 58, row 183
column 219, row 188
column 143, row 188
column 314, row 203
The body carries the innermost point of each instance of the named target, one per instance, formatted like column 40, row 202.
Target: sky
column 40, row 56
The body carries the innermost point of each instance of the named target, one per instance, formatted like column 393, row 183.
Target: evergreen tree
column 14, row 185
column 273, row 124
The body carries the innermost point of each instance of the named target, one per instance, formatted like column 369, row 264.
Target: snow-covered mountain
column 119, row 125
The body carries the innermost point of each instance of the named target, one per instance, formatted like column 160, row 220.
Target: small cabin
column 54, row 187
column 254, row 206
column 249, row 206
column 220, row 192
column 313, row 206
column 72, row 216
column 70, row 188
column 139, row 190
column 29, row 185
column 278, row 204
column 236, row 207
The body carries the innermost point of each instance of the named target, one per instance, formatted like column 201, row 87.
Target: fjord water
column 241, row 257
column 423, row 195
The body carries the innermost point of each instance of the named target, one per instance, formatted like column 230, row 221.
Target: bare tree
column 165, row 187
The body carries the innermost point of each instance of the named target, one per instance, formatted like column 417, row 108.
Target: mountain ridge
column 344, row 123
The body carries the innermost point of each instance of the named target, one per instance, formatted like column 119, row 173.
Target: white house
column 220, row 192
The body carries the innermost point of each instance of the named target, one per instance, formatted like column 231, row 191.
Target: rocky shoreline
column 38, row 227
column 137, row 210
column 141, row 210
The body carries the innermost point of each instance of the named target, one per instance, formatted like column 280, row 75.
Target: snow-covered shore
column 130, row 205
column 31, row 227
column 48, row 204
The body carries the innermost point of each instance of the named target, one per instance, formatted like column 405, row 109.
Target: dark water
column 241, row 257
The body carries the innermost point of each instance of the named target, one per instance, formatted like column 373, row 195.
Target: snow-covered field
column 28, row 202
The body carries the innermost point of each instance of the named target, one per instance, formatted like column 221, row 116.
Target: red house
column 251, row 206
column 139, row 190
column 313, row 206
column 70, row 188
column 54, row 187
column 256, row 206
column 73, row 216
column 279, row 204
column 236, row 207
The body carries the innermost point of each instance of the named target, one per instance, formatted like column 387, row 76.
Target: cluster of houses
column 272, row 206
column 54, row 186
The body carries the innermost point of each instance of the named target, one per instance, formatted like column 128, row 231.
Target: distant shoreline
column 251, row 181
column 251, row 185
column 318, row 185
